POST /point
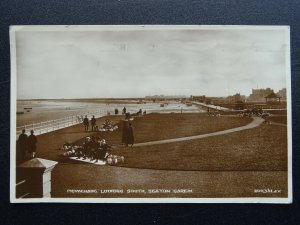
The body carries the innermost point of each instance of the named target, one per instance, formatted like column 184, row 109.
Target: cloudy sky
column 139, row 62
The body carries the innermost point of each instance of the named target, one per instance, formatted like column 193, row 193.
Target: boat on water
column 28, row 109
column 162, row 105
column 188, row 104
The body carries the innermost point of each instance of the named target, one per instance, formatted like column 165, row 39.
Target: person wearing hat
column 130, row 137
column 22, row 145
column 32, row 140
column 86, row 123
column 93, row 123
column 125, row 133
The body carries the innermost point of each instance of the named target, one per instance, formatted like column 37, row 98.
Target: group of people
column 27, row 144
column 86, row 123
column 254, row 112
column 94, row 149
column 106, row 126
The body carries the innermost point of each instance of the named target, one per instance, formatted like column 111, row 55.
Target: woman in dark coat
column 130, row 137
column 124, row 132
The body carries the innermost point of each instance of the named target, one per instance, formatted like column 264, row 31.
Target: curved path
column 204, row 184
column 255, row 123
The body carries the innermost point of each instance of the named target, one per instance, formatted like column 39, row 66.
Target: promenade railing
column 52, row 125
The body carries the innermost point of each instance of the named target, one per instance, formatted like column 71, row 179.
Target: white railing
column 52, row 125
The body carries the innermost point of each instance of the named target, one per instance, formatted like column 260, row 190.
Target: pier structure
column 213, row 107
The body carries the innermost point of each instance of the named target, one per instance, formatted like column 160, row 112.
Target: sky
column 139, row 62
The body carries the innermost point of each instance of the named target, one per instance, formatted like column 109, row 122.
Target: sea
column 35, row 111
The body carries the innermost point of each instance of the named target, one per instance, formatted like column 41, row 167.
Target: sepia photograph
column 150, row 114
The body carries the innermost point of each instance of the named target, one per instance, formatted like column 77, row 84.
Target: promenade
column 72, row 175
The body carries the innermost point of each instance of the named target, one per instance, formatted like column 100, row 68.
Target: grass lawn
column 278, row 119
column 166, row 126
column 147, row 128
column 154, row 127
column 261, row 148
column 222, row 165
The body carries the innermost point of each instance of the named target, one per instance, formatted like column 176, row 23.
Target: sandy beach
column 35, row 111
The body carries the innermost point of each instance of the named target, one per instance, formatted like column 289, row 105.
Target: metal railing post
column 51, row 125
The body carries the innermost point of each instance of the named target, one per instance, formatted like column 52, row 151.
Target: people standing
column 93, row 123
column 127, row 135
column 23, row 145
column 32, row 140
column 86, row 123
column 124, row 111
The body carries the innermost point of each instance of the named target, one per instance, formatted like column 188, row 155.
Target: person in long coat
column 125, row 132
column 23, row 145
column 86, row 123
column 32, row 140
column 93, row 123
column 130, row 136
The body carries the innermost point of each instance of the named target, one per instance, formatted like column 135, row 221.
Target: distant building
column 219, row 100
column 282, row 94
column 272, row 98
column 216, row 100
column 201, row 98
column 236, row 98
column 155, row 98
column 258, row 95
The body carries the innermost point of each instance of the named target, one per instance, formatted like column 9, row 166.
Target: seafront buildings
column 260, row 98
column 259, row 95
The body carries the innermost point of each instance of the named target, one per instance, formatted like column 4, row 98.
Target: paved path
column 255, row 123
